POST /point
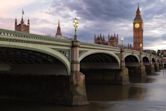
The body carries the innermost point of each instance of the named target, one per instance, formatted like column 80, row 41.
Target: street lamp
column 140, row 46
column 122, row 41
column 140, row 52
column 75, row 24
column 121, row 53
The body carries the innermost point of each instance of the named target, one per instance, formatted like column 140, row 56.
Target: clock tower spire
column 138, row 31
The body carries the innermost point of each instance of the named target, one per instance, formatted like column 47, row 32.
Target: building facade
column 22, row 26
column 58, row 34
column 138, row 31
column 112, row 40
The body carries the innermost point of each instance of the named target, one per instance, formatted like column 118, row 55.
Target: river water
column 148, row 95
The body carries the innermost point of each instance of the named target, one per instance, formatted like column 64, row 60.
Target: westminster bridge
column 42, row 68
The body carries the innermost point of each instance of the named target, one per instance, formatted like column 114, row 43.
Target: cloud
column 8, row 7
column 8, row 23
column 95, row 17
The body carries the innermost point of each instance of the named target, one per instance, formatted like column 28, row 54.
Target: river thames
column 147, row 95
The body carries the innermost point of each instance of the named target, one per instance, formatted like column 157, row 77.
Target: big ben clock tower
column 138, row 31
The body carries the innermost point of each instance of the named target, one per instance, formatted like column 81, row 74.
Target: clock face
column 137, row 25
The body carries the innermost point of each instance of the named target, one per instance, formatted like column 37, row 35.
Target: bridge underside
column 147, row 65
column 133, row 65
column 29, row 62
column 100, row 68
column 33, row 76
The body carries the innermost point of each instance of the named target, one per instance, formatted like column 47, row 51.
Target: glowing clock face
column 137, row 25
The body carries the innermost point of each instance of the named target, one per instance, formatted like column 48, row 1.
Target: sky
column 95, row 17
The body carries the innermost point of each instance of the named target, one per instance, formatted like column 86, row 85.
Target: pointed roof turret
column 22, row 19
column 138, row 14
column 22, row 26
column 58, row 32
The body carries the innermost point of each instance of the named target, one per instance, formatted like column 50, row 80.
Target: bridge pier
column 142, row 70
column 148, row 69
column 157, row 66
column 151, row 68
column 78, row 90
column 123, row 77
column 124, row 74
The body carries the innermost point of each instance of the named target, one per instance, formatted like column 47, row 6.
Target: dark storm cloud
column 163, row 38
column 98, row 9
column 103, row 15
column 153, row 8
column 114, row 16
column 110, row 10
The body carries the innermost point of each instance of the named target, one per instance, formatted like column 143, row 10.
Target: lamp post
column 122, row 41
column 140, row 46
column 140, row 52
column 75, row 24
column 121, row 53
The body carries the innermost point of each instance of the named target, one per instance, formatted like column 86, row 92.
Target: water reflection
column 148, row 95
column 114, row 93
column 135, row 90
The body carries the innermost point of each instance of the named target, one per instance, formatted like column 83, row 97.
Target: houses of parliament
column 23, row 27
column 112, row 40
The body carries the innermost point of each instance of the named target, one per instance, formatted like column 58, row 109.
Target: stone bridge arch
column 153, row 60
column 82, row 56
column 48, row 87
column 132, row 62
column 145, row 60
column 42, row 49
column 134, row 55
column 100, row 67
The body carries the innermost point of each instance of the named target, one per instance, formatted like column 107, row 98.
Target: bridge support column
column 123, row 75
column 78, row 89
column 152, row 68
column 142, row 70
column 157, row 66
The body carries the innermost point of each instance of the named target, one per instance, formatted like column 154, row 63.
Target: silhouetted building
column 129, row 46
column 138, row 31
column 22, row 26
column 112, row 40
column 161, row 53
column 58, row 32
column 99, row 39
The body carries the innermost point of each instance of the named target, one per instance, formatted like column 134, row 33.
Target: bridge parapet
column 90, row 46
column 9, row 35
column 130, row 51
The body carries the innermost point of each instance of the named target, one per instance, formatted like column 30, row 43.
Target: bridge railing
column 98, row 47
column 24, row 35
column 84, row 45
column 8, row 34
